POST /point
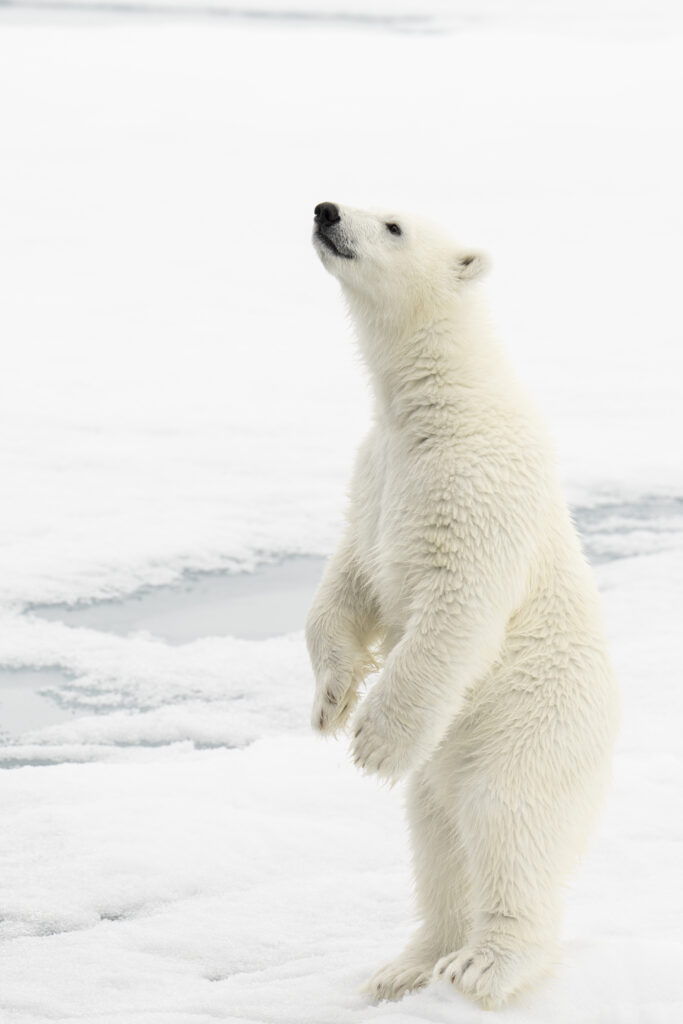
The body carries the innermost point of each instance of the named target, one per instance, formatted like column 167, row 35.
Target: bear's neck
column 422, row 366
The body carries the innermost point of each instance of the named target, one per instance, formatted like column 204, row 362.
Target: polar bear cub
column 461, row 574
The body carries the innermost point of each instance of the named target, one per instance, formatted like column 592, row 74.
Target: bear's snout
column 326, row 214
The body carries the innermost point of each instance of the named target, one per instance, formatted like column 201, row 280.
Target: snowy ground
column 179, row 396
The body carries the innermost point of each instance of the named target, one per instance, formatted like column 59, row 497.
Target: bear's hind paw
column 488, row 975
column 395, row 979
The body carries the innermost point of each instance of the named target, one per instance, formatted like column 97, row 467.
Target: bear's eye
column 394, row 228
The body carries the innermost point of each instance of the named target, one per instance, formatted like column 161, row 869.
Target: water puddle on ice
column 625, row 529
column 269, row 602
column 22, row 705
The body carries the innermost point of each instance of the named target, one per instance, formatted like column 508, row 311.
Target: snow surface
column 179, row 395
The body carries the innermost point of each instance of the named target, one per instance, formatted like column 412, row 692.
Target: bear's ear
column 470, row 264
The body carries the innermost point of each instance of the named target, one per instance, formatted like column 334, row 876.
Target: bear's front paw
column 335, row 698
column 382, row 745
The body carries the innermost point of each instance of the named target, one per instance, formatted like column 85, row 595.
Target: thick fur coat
column 461, row 574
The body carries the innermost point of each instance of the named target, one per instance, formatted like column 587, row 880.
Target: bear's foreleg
column 453, row 636
column 459, row 608
column 341, row 626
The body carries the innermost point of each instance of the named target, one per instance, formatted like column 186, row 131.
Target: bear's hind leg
column 517, row 855
column 441, row 892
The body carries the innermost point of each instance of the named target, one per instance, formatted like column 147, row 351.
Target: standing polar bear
column 460, row 572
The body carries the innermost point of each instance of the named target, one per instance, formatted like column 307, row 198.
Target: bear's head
column 392, row 263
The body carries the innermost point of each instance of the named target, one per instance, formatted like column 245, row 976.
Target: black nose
column 326, row 213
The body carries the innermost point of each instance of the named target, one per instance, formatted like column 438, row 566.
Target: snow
column 180, row 397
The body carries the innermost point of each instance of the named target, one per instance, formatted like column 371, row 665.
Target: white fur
column 461, row 572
